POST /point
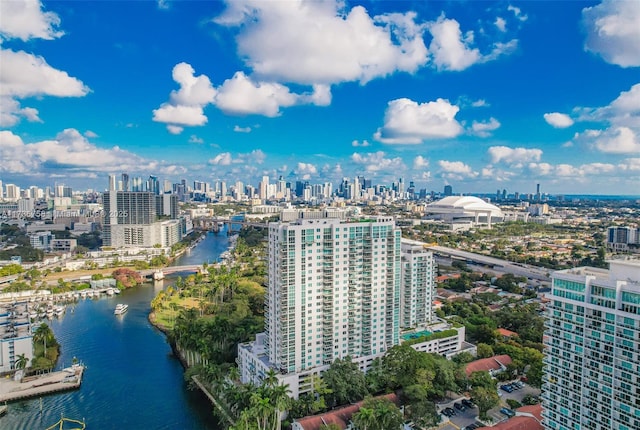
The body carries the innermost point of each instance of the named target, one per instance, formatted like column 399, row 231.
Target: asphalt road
column 518, row 269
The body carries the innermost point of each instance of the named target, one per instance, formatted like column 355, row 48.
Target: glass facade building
column 592, row 349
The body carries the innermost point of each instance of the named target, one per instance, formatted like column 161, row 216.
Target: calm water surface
column 132, row 379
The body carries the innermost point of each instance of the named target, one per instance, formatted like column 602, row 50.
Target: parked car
column 515, row 386
column 468, row 403
column 506, row 388
column 508, row 412
column 459, row 406
column 450, row 411
column 518, row 384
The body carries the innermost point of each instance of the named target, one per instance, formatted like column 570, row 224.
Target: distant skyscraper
column 264, row 188
column 448, row 190
column 592, row 349
column 153, row 185
column 619, row 238
column 12, row 192
column 113, row 183
column 538, row 195
column 125, row 182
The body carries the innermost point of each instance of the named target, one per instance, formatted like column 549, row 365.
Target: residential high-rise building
column 448, row 190
column 125, row 182
column 592, row 349
column 334, row 291
column 418, row 284
column 12, row 193
column 619, row 238
column 126, row 208
column 264, row 188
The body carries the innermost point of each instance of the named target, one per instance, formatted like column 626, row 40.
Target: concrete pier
column 66, row 379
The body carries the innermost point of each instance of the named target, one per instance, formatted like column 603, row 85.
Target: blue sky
column 480, row 95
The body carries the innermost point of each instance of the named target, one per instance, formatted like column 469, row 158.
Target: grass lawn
column 166, row 316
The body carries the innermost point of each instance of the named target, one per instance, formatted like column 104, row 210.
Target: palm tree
column 42, row 333
column 364, row 419
column 271, row 379
column 21, row 362
column 280, row 400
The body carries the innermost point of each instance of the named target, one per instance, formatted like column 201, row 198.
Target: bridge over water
column 173, row 269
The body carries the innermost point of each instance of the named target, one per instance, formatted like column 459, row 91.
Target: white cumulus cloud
column 70, row 153
column 241, row 96
column 223, row 159
column 409, row 122
column 420, row 162
column 25, row 19
column 613, row 31
column 501, row 24
column 456, row 170
column 484, row 128
column 620, row 133
column 323, row 42
column 558, row 120
column 514, row 156
column 377, row 161
column 186, row 105
column 25, row 75
column 357, row 143
column 306, row 169
column 239, row 129
column 450, row 49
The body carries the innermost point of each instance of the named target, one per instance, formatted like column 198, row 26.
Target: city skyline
column 480, row 96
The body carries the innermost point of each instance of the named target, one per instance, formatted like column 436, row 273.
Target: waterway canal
column 132, row 378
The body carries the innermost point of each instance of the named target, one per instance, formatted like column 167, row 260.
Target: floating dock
column 66, row 379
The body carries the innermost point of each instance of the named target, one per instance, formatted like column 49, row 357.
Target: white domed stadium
column 464, row 209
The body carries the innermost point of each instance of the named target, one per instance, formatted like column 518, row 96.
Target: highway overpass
column 517, row 269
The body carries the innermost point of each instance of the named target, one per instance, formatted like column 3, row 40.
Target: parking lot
column 468, row 416
column 462, row 418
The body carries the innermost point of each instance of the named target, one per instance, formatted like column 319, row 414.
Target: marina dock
column 66, row 379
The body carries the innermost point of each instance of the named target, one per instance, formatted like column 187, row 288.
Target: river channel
column 132, row 380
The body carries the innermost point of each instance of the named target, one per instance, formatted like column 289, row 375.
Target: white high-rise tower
column 334, row 291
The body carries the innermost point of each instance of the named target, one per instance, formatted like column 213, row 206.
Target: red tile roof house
column 493, row 365
column 527, row 418
column 507, row 334
column 341, row 417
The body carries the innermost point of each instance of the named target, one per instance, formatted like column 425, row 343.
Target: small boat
column 110, row 292
column 116, row 290
column 59, row 310
column 120, row 309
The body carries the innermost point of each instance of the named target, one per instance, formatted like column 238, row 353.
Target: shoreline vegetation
column 205, row 317
column 66, row 281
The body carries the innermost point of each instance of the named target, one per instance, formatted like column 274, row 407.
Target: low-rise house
column 493, row 365
column 341, row 417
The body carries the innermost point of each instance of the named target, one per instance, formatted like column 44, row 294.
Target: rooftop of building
column 340, row 417
column 463, row 203
column 527, row 418
column 490, row 364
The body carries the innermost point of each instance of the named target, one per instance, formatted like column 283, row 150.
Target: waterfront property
column 337, row 290
column 16, row 338
column 35, row 386
column 592, row 344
